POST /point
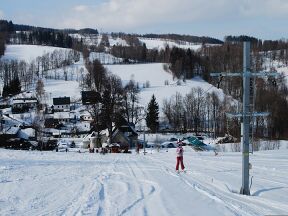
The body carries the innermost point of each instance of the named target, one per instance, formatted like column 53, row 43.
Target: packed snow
column 50, row 183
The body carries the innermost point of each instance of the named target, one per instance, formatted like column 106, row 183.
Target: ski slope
column 50, row 183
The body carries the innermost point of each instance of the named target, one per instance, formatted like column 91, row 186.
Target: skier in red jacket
column 179, row 152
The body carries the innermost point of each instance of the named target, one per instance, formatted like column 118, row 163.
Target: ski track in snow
column 37, row 183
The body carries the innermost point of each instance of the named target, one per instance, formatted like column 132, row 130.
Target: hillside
column 27, row 53
column 153, row 74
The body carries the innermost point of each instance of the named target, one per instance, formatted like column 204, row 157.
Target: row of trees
column 258, row 44
column 2, row 43
column 28, row 73
column 199, row 112
column 40, row 37
column 21, row 34
column 6, row 28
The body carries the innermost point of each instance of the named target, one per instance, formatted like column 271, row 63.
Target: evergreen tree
column 5, row 91
column 152, row 117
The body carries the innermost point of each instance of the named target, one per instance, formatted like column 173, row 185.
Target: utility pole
column 144, row 144
column 246, row 112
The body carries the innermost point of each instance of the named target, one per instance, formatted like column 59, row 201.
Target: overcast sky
column 265, row 19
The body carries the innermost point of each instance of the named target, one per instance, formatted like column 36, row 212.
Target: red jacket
column 179, row 151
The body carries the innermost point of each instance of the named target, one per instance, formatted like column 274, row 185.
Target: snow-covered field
column 61, row 88
column 157, row 43
column 50, row 183
column 27, row 53
column 156, row 76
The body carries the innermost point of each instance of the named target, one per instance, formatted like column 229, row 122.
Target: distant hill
column 240, row 38
column 20, row 27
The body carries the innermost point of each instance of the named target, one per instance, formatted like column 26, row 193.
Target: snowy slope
column 157, row 43
column 49, row 183
column 88, row 39
column 156, row 76
column 61, row 88
column 27, row 53
column 105, row 58
column 96, row 39
column 117, row 41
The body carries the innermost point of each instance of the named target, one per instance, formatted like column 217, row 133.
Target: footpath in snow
column 50, row 183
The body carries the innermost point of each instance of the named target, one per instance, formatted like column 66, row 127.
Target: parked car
column 173, row 139
column 169, row 144
column 150, row 145
column 63, row 145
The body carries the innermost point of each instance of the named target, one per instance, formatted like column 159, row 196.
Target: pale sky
column 265, row 19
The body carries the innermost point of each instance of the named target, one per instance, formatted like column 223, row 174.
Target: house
column 125, row 135
column 21, row 105
column 61, row 104
column 87, row 139
column 63, row 117
column 86, row 116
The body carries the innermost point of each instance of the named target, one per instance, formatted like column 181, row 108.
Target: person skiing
column 179, row 152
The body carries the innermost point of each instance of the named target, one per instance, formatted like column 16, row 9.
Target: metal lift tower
column 246, row 112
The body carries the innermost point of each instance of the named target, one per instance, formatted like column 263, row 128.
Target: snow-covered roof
column 62, row 115
column 114, row 145
column 11, row 130
column 27, row 133
column 24, row 101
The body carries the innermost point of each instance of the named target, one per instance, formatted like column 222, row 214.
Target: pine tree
column 152, row 117
column 5, row 92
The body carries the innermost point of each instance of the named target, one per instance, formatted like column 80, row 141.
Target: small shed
column 125, row 135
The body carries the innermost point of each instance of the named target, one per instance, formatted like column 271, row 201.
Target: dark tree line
column 2, row 44
column 270, row 94
column 258, row 44
column 40, row 37
column 12, row 88
column 22, row 34
column 6, row 28
column 199, row 112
